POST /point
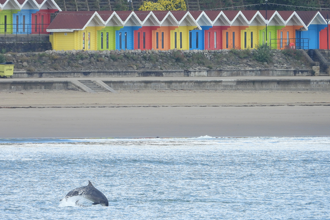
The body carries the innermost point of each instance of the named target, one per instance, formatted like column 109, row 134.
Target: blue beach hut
column 197, row 37
column 310, row 39
column 125, row 36
column 22, row 22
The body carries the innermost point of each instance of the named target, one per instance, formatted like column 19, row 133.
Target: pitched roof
column 212, row 14
column 142, row 15
column 179, row 14
column 249, row 14
column 270, row 13
column 40, row 1
column 3, row 1
column 105, row 15
column 325, row 14
column 285, row 14
column 160, row 15
column 195, row 14
column 307, row 16
column 71, row 20
column 231, row 14
column 21, row 2
column 123, row 15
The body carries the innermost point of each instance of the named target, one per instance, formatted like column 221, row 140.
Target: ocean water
column 184, row 178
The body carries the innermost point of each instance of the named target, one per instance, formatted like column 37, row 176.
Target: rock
column 25, row 64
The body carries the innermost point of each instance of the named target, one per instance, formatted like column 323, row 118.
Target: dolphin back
column 91, row 193
column 95, row 195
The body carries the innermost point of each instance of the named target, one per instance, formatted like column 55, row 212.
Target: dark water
column 198, row 178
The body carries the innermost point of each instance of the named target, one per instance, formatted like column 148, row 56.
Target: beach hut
column 232, row 36
column 41, row 19
column 214, row 36
column 180, row 35
column 75, row 30
column 251, row 35
column 287, row 35
column 22, row 19
column 143, row 36
column 106, row 37
column 8, row 8
column 274, row 23
column 325, row 32
column 196, row 36
column 161, row 37
column 125, row 36
column 310, row 39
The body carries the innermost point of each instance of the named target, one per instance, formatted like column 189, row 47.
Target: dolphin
column 89, row 192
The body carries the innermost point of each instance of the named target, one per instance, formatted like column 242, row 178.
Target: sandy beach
column 71, row 114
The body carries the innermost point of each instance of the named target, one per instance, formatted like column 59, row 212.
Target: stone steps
column 93, row 86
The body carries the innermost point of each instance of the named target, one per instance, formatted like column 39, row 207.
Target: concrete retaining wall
column 255, row 85
column 164, row 73
column 42, row 85
column 229, row 84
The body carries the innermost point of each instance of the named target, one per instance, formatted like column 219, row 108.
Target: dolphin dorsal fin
column 89, row 183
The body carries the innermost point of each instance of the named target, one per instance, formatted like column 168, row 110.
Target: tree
column 164, row 5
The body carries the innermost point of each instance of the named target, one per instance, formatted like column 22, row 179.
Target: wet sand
column 163, row 114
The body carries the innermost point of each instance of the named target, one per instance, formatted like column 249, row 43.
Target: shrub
column 296, row 54
column 178, row 56
column 30, row 69
column 263, row 54
column 100, row 59
column 152, row 58
column 56, row 67
column 55, row 57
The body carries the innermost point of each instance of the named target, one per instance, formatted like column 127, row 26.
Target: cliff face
column 157, row 60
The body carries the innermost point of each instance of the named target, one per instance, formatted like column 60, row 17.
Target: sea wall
column 192, row 84
column 164, row 73
column 37, row 85
column 248, row 84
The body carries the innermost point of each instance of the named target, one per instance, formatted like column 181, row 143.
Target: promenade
column 164, row 113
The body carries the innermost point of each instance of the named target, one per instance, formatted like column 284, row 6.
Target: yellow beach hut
column 180, row 35
column 75, row 30
column 250, row 36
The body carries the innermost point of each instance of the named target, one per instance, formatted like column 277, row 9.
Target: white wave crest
column 75, row 201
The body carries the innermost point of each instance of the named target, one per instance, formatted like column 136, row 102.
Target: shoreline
column 286, row 121
column 177, row 114
column 161, row 99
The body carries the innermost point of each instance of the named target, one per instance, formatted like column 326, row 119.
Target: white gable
column 239, row 21
column 132, row 20
column 318, row 19
column 276, row 20
column 257, row 20
column 294, row 20
column 151, row 21
column 203, row 20
column 49, row 4
column 95, row 20
column 221, row 20
column 188, row 21
column 30, row 5
column 169, row 21
column 114, row 21
column 11, row 5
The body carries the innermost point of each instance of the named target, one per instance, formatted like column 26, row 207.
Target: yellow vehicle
column 6, row 70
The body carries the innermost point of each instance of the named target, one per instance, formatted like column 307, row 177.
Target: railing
column 34, row 33
column 289, row 43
